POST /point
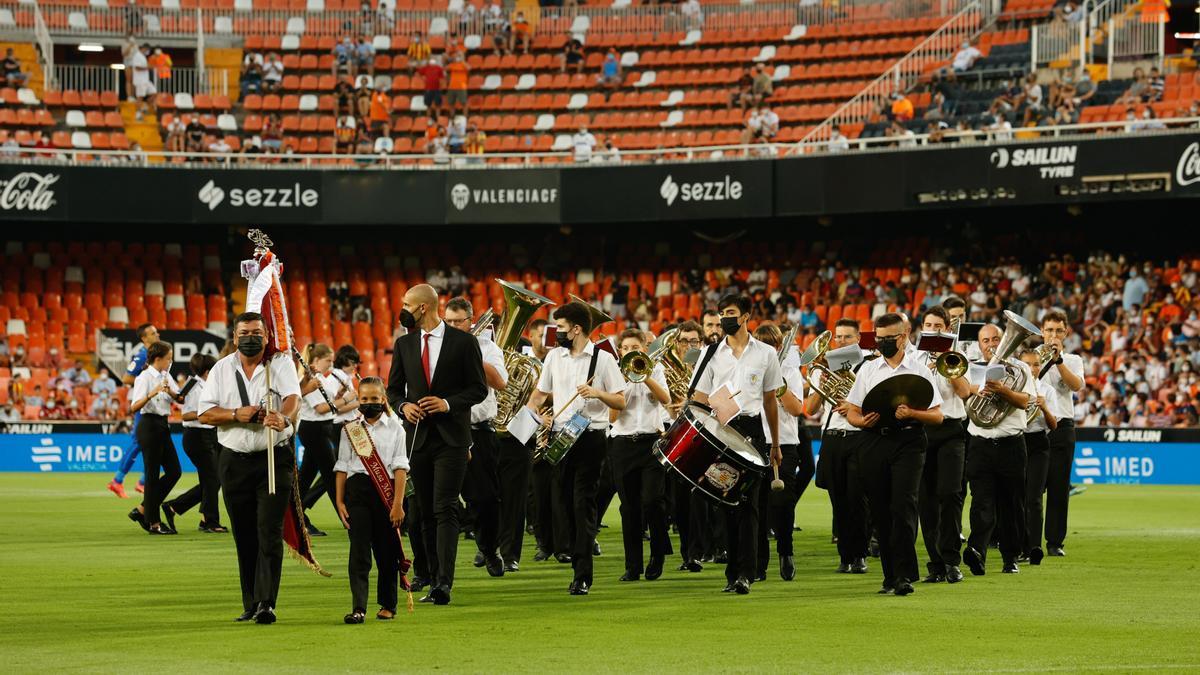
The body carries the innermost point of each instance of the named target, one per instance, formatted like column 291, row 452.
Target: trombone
column 636, row 366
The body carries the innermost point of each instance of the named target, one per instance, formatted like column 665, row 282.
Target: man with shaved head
column 437, row 375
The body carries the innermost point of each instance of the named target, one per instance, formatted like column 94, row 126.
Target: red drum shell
column 715, row 460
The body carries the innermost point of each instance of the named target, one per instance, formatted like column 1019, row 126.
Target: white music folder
column 524, row 425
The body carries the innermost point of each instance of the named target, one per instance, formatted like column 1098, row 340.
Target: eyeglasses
column 694, row 342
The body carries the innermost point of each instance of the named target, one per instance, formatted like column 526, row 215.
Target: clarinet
column 313, row 374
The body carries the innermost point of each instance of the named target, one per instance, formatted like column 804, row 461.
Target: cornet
column 636, row 366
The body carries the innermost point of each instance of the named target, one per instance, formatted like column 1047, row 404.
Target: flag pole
column 270, row 434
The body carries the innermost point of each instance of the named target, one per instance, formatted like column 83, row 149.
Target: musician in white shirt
column 481, row 487
column 340, row 379
column 238, row 412
column 996, row 465
column 938, row 502
column 837, row 470
column 891, row 457
column 316, row 425
column 153, row 391
column 1066, row 380
column 796, row 467
column 588, row 382
column 640, row 478
column 751, row 369
column 1037, row 452
column 200, row 444
column 372, row 525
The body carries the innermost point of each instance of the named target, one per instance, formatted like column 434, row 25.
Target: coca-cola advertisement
column 32, row 193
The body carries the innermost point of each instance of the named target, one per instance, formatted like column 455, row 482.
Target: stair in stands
column 144, row 132
column 229, row 60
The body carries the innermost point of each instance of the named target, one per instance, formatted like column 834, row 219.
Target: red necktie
column 425, row 361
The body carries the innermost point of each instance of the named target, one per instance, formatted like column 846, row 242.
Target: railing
column 906, row 72
column 647, row 18
column 1058, row 41
column 501, row 161
column 105, row 78
column 45, row 46
column 88, row 78
column 1117, row 31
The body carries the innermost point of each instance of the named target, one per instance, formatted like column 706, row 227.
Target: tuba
column 988, row 411
column 523, row 371
column 834, row 387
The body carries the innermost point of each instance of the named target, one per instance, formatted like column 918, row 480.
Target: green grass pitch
column 85, row 590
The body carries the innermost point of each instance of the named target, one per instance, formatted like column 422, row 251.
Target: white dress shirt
column 390, row 443
column 1014, row 423
column 191, row 403
column 221, row 391
column 563, row 373
column 789, row 425
column 147, row 380
column 752, row 375
column 492, row 355
column 437, row 335
column 876, row 371
column 308, row 404
column 643, row 414
column 1064, row 398
column 341, row 379
column 1039, row 420
column 953, row 407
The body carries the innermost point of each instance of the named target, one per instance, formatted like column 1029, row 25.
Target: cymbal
column 907, row 389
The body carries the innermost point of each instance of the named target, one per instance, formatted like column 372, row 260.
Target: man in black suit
column 437, row 375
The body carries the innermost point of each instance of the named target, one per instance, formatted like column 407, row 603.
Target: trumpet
column 1047, row 354
column 636, row 366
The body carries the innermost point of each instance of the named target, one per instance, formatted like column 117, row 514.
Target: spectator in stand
column 476, row 142
column 439, row 147
column 250, row 80
column 251, row 149
column 218, row 145
column 693, row 14
column 905, row 138
column 418, row 51
column 468, row 20
column 763, row 87
column 13, row 76
column 1066, row 113
column 522, row 32
column 363, row 145
column 456, row 134
column 743, row 92
column 99, row 407
column 1157, row 87
column 902, row 108
column 16, row 389
column 432, row 75
column 103, row 383
column 1070, row 11
column 344, row 134
column 384, row 145
column 52, row 409
column 194, row 134
column 936, row 132
column 966, row 57
column 77, row 374
column 1008, row 100
column 1032, row 98
column 4, row 357
column 272, row 134
column 343, row 57
column 8, row 413
column 386, row 14
column 36, row 400
column 273, row 74
column 769, row 124
column 362, row 97
column 175, row 135
column 583, row 143
column 838, row 141
column 937, row 107
column 610, row 154
column 1137, row 91
column 1085, row 89
column 498, row 27
column 1149, row 121
column 18, row 357
column 343, row 93
column 381, row 110
column 456, row 85
column 143, row 89
column 610, row 70
column 364, row 57
column 572, row 55
column 161, row 63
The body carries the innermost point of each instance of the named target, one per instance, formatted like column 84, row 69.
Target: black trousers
column 889, row 468
column 641, row 484
column 414, row 524
column 371, row 533
column 1037, row 464
column 607, row 488
column 320, row 454
column 1058, row 482
column 481, row 489
column 158, row 454
column 938, row 501
column 839, row 465
column 743, row 536
column 437, row 472
column 201, row 447
column 551, row 528
column 322, row 486
column 514, row 468
column 579, row 482
column 256, row 518
column 996, row 474
column 692, row 518
column 795, row 474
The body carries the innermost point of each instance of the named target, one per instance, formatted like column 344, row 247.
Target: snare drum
column 714, row 458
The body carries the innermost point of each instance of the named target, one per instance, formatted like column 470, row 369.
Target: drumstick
column 776, row 485
column 568, row 405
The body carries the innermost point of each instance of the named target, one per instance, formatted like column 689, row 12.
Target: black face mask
column 564, row 339
column 730, row 324
column 888, row 347
column 371, row 410
column 408, row 319
column 250, row 345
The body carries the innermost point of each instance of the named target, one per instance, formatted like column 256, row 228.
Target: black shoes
column 357, row 616
column 440, row 595
column 934, row 578
column 1011, row 567
column 479, row 560
column 512, row 566
column 974, row 561
column 859, row 566
column 843, row 568
column 691, row 566
column 953, row 574
column 542, row 555
column 418, row 584
column 741, row 586
column 136, row 516
column 721, row 558
column 904, row 588
column 1057, row 552
column 787, row 567
column 563, row 558
column 428, row 598
column 728, row 588
column 886, row 589
column 630, row 576
column 1036, row 555
column 265, row 614
column 654, row 569
column 579, row 588
column 596, row 548
column 159, row 528
column 495, row 565
column 312, row 529
column 169, row 515
column 246, row 615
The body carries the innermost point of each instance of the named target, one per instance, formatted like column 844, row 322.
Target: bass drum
column 714, row 458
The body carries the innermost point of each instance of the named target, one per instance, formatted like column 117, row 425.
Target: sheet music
column 844, row 357
column 524, row 425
